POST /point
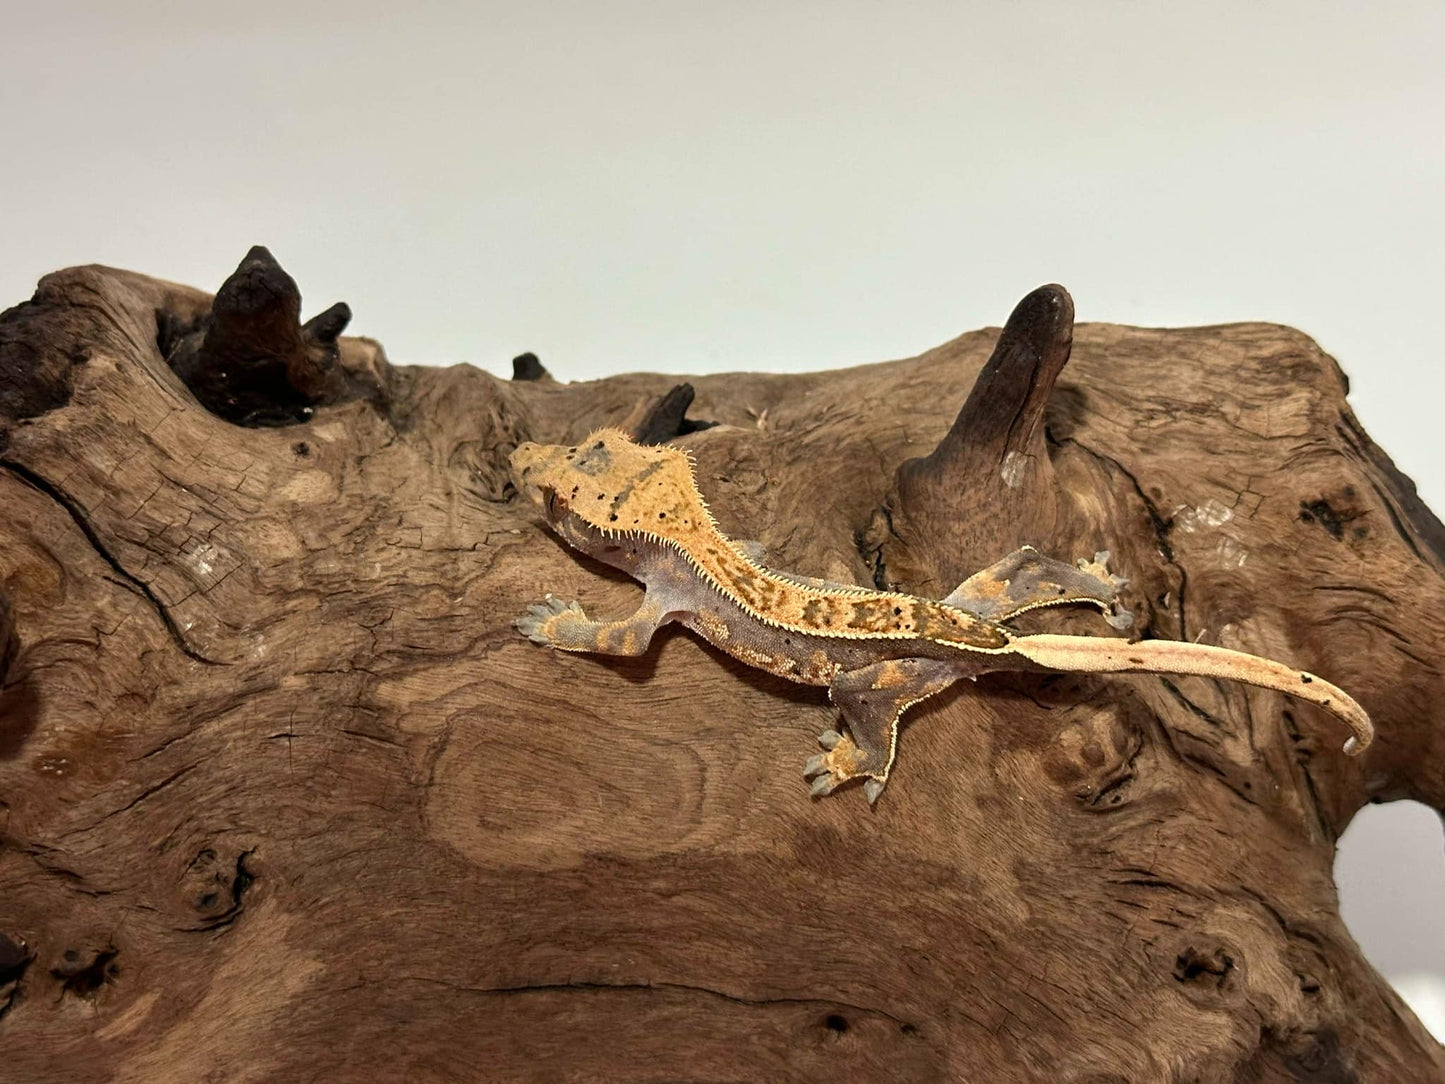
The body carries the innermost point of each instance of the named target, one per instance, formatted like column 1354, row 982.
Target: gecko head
column 609, row 482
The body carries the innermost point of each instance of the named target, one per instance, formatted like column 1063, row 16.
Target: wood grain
column 284, row 796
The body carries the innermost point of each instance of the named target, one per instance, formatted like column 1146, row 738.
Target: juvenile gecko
column 877, row 652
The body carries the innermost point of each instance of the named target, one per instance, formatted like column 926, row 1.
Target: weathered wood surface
column 285, row 797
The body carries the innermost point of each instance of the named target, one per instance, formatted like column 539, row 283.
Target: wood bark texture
column 284, row 796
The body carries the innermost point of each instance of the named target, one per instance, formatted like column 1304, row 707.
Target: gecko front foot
column 541, row 622
column 843, row 761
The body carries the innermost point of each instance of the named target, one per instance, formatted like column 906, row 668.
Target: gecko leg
column 1026, row 580
column 564, row 626
column 870, row 701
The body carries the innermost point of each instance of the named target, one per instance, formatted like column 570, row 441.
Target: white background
column 699, row 187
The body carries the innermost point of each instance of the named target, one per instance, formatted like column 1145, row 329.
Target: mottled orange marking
column 819, row 669
column 988, row 588
column 845, row 759
column 890, row 675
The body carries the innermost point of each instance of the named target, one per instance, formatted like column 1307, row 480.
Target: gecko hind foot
column 1115, row 613
column 843, row 761
column 540, row 616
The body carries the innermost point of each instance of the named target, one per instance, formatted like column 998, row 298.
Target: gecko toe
column 824, row 784
column 533, row 624
column 829, row 738
column 872, row 788
column 815, row 766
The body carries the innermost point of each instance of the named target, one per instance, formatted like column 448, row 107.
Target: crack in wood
column 77, row 516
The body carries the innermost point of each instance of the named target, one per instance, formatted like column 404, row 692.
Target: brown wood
column 285, row 797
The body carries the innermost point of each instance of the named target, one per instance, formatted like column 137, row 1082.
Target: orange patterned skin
column 878, row 652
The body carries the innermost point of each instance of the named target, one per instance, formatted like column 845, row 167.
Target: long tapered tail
column 1105, row 655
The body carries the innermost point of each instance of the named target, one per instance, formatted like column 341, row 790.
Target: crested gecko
column 877, row 652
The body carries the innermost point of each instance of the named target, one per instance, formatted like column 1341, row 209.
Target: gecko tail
column 1106, row 655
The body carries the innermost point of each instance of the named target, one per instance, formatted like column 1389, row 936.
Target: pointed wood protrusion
column 326, row 327
column 529, row 367
column 255, row 363
column 657, row 420
column 988, row 487
column 663, row 419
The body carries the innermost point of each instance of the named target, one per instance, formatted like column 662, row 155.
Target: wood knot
column 1336, row 514
column 1210, row 968
column 1203, row 966
column 1094, row 759
column 82, row 972
column 214, row 888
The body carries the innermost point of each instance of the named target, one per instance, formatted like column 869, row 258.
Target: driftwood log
column 284, row 796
